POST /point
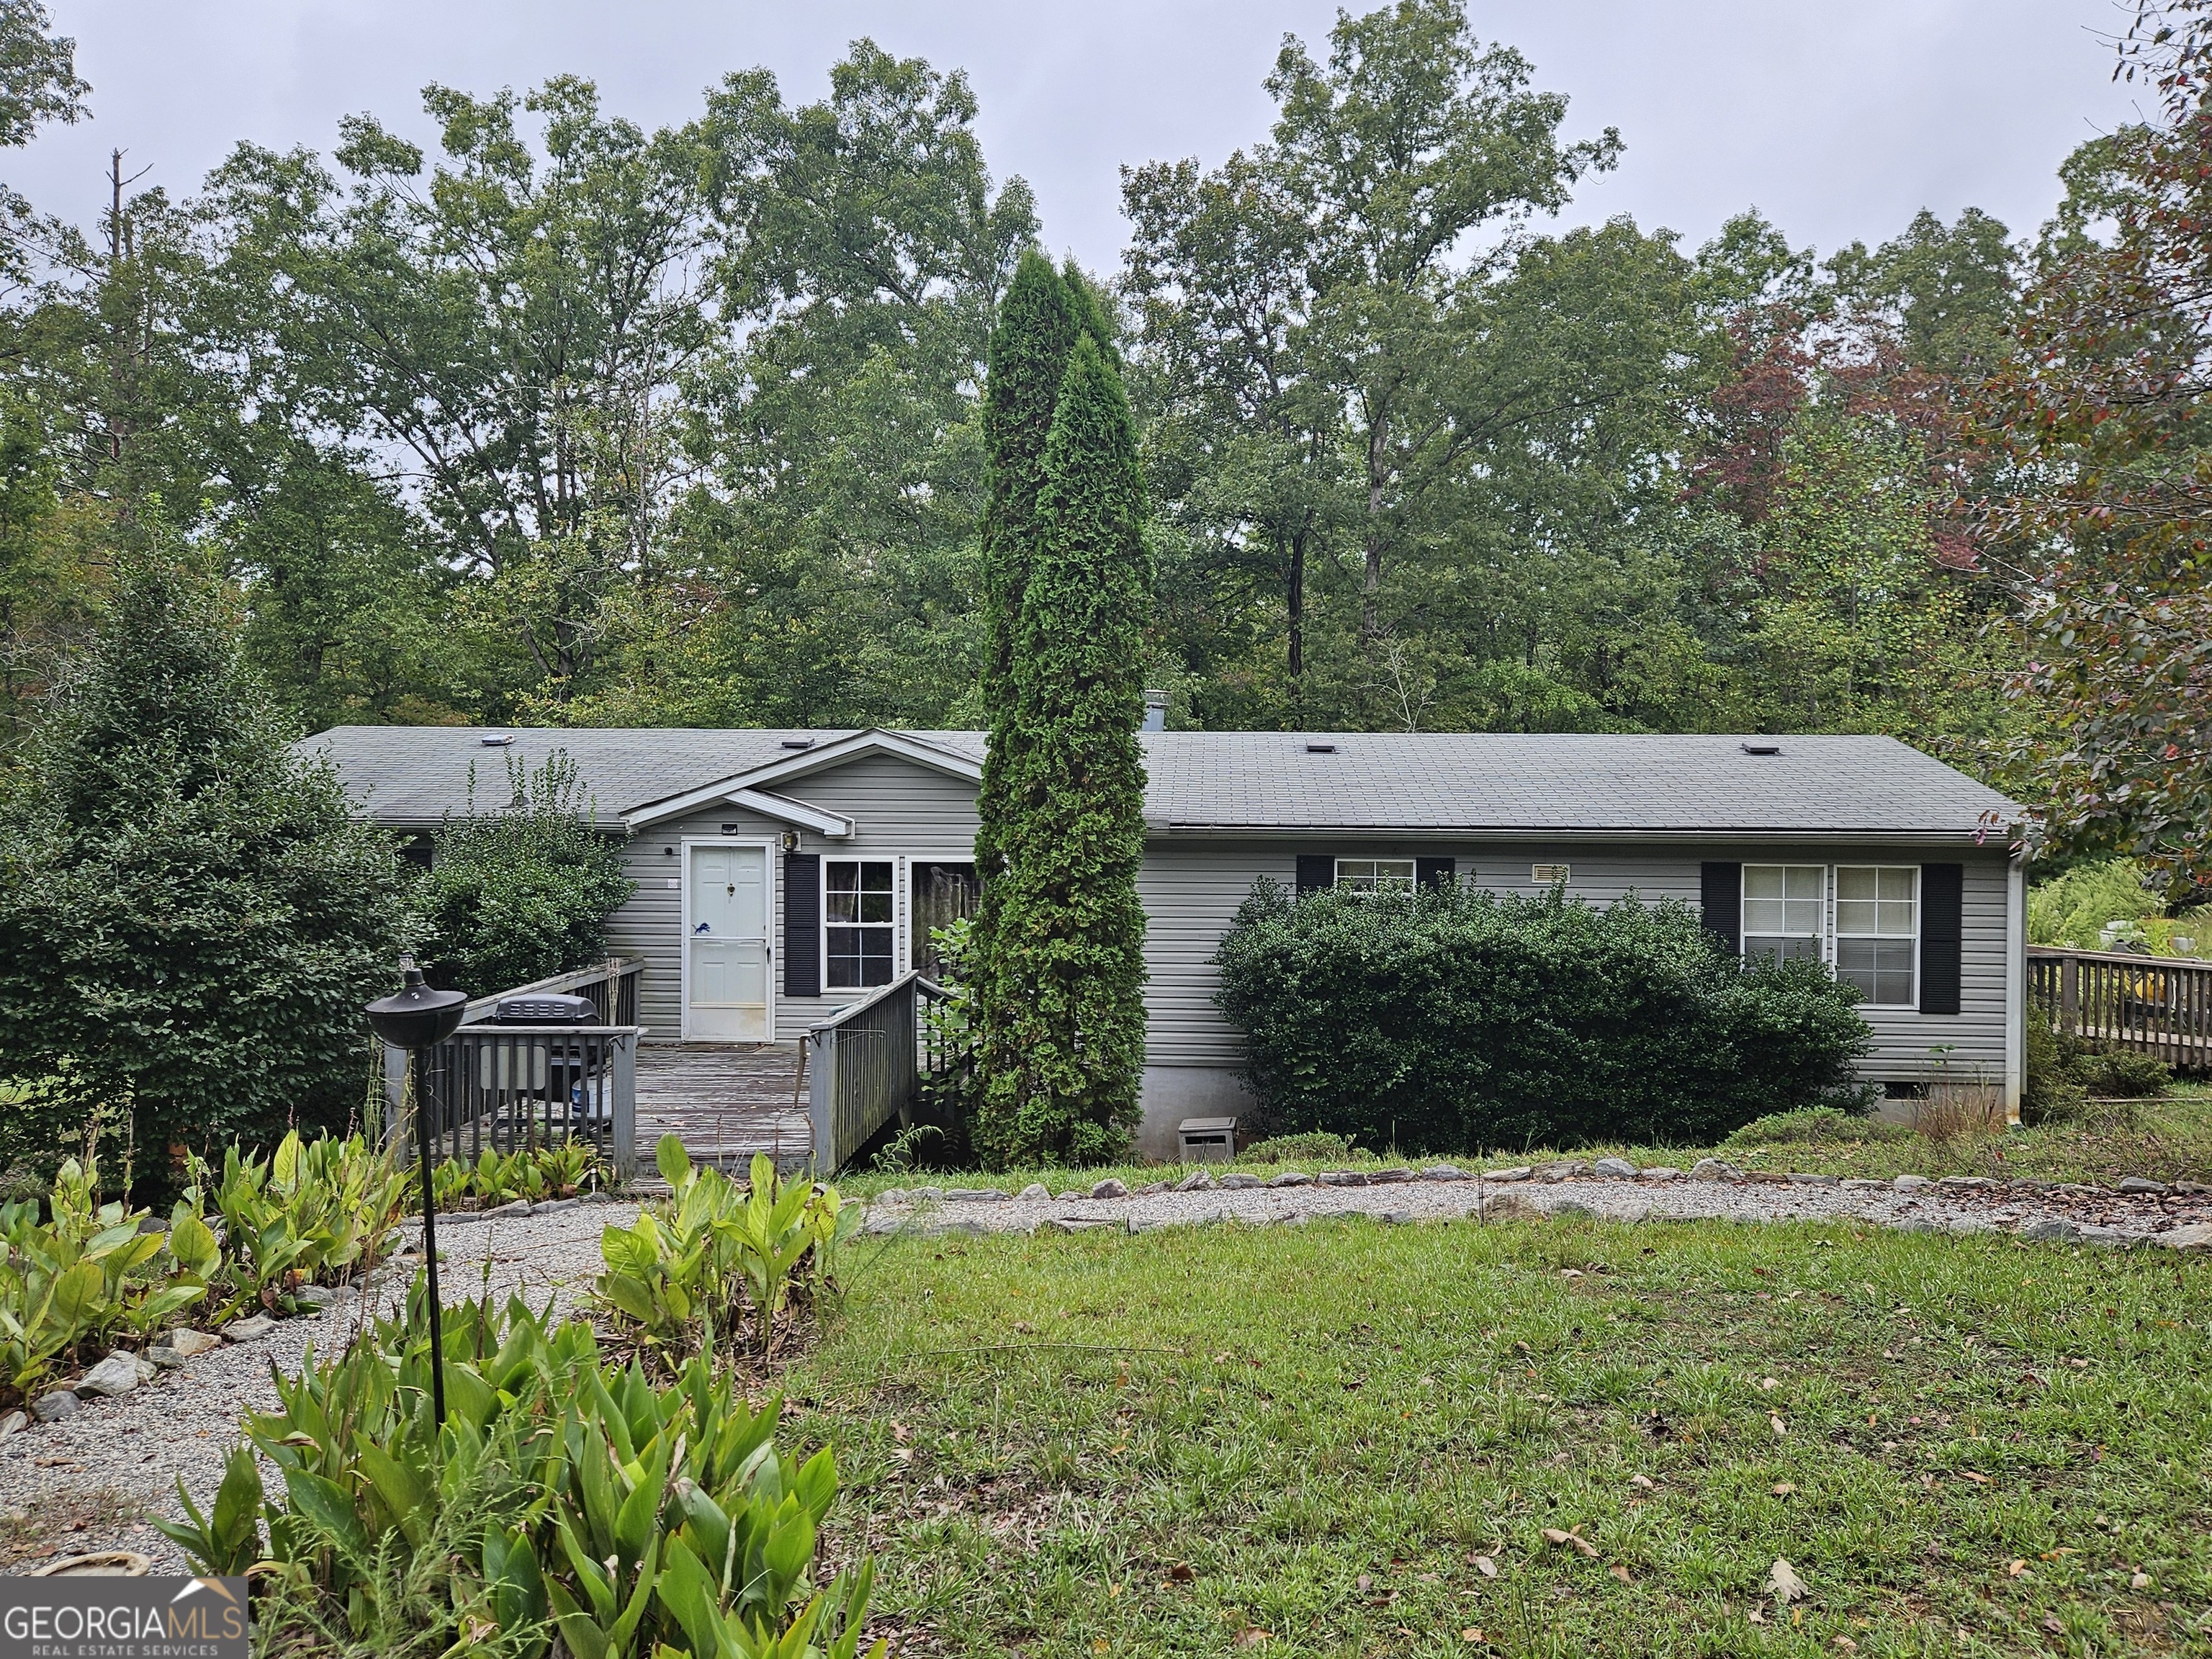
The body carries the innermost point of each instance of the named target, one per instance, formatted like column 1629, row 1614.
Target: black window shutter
column 1316, row 873
column 1720, row 894
column 1942, row 936
column 1434, row 872
column 802, row 924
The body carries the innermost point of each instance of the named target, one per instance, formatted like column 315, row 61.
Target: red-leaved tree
column 2099, row 426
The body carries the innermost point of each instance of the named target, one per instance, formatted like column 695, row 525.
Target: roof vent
column 798, row 743
column 1762, row 749
column 496, row 739
column 1321, row 748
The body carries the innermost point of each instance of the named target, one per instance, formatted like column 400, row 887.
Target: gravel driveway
column 184, row 1424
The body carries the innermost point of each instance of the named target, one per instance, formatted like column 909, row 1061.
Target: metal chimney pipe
column 1156, row 711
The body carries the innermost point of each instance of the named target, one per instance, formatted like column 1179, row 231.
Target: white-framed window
column 1374, row 875
column 859, row 922
column 1862, row 920
column 1785, row 911
column 1878, row 931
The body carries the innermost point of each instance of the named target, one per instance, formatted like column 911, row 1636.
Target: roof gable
column 822, row 757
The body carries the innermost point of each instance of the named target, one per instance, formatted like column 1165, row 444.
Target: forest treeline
column 569, row 422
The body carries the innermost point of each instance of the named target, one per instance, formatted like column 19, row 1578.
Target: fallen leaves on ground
column 1553, row 1535
column 1782, row 1578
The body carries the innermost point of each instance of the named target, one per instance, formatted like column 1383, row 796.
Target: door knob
column 733, row 888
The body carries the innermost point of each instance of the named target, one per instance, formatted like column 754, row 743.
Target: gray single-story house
column 782, row 874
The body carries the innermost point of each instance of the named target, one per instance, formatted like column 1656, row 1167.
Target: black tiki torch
column 415, row 1019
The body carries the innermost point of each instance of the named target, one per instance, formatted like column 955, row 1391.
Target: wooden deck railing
column 2156, row 1005
column 508, row 1087
column 864, row 1067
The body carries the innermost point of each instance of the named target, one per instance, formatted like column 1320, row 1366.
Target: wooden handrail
column 574, row 980
column 2054, row 952
column 2157, row 1005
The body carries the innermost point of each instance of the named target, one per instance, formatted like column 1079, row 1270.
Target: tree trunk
column 1370, row 582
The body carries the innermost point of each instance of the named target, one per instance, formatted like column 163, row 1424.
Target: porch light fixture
column 791, row 841
column 413, row 1019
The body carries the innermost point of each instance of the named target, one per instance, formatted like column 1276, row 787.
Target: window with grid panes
column 859, row 925
column 1371, row 874
column 1878, row 931
column 1784, row 910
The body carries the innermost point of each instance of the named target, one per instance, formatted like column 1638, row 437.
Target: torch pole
column 429, row 1240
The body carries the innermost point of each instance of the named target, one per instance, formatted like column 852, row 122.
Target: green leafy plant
column 564, row 1499
column 67, row 1286
column 699, row 1262
column 1314, row 1144
column 558, row 1170
column 522, row 892
column 1816, row 1126
column 311, row 1211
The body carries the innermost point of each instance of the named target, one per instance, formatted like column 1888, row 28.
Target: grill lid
column 546, row 1008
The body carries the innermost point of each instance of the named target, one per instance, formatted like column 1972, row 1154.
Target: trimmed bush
column 1455, row 1019
column 521, row 893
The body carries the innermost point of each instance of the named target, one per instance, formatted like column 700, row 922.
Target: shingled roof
column 1418, row 783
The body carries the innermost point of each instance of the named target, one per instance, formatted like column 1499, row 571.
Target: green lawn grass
column 1170, row 1444
column 2168, row 1138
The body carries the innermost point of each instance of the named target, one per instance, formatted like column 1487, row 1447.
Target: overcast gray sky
column 1839, row 119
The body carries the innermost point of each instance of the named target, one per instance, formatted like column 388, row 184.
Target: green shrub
column 1819, row 1125
column 2073, row 909
column 2117, row 1072
column 1462, row 1020
column 1314, row 1145
column 522, row 892
column 565, row 1500
column 2067, row 1078
column 191, row 915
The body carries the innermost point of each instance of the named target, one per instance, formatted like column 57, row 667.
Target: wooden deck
column 725, row 1102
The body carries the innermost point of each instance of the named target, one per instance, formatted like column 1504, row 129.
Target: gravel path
column 1968, row 1205
column 184, row 1424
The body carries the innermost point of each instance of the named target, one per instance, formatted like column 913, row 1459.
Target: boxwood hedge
column 1455, row 1019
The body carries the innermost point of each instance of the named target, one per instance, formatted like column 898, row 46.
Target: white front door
column 726, row 988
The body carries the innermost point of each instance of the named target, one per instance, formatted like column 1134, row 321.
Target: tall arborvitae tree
column 1063, row 1023
column 1036, row 329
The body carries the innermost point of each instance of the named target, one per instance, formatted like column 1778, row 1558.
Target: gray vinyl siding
column 896, row 807
column 1190, row 894
column 1191, row 891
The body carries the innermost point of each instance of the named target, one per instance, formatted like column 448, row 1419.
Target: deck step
column 724, row 1102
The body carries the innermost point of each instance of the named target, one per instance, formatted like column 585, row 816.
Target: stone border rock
column 122, row 1371
column 2134, row 1211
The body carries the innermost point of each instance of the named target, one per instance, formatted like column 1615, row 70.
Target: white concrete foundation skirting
column 1172, row 1093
